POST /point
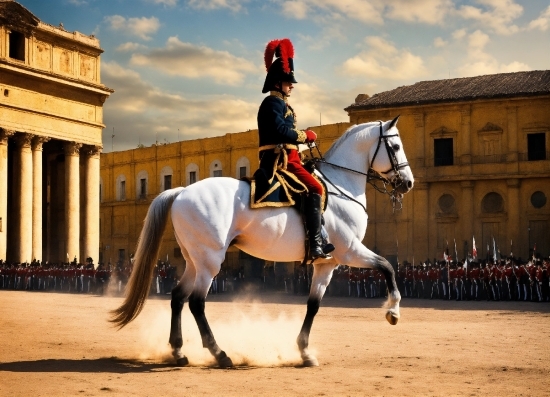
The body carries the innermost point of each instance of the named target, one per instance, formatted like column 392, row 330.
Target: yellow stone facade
column 51, row 121
column 487, row 193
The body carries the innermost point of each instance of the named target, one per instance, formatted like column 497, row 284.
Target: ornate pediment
column 490, row 129
column 443, row 132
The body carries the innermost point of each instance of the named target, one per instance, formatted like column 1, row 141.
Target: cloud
column 439, row 42
column 497, row 15
column 430, row 12
column 129, row 46
column 191, row 61
column 77, row 2
column 209, row 5
column 542, row 22
column 154, row 111
column 168, row 3
column 141, row 27
column 479, row 62
column 370, row 11
column 384, row 61
column 362, row 10
column 459, row 34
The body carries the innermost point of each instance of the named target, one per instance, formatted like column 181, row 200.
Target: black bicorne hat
column 282, row 69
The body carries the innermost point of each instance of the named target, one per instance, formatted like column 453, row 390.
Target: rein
column 371, row 175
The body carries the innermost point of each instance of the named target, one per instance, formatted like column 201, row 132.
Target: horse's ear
column 393, row 122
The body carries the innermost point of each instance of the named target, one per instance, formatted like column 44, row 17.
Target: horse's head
column 388, row 158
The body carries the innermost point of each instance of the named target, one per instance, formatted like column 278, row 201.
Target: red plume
column 269, row 51
column 285, row 50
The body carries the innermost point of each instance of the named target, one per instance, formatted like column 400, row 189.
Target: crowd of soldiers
column 75, row 277
column 504, row 279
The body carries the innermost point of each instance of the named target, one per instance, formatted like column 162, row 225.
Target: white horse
column 213, row 214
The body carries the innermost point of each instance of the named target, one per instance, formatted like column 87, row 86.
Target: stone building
column 479, row 151
column 51, row 120
column 478, row 148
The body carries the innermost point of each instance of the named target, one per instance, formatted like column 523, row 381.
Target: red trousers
column 295, row 166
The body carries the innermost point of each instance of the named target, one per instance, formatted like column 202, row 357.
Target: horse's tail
column 146, row 256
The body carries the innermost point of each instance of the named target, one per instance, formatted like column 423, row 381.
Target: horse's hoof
column 182, row 361
column 392, row 318
column 310, row 362
column 225, row 362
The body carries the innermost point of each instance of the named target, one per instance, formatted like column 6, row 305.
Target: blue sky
column 194, row 68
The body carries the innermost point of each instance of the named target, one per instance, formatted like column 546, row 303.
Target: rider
column 277, row 131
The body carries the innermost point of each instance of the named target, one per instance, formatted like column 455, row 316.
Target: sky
column 188, row 69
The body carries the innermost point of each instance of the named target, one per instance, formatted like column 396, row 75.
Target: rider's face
column 287, row 88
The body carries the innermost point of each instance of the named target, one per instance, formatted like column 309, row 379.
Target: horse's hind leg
column 322, row 273
column 179, row 294
column 196, row 304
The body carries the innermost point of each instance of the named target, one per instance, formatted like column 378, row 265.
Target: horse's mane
column 350, row 131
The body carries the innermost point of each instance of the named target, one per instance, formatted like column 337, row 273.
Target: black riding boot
column 317, row 248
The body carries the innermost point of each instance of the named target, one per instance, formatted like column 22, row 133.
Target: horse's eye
column 396, row 147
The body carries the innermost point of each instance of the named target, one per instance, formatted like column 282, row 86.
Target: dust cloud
column 246, row 333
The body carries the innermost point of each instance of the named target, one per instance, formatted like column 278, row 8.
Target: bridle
column 372, row 176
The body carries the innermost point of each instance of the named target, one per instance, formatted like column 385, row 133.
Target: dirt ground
column 54, row 344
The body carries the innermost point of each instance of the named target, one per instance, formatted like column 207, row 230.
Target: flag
column 446, row 253
column 511, row 249
column 474, row 249
column 456, row 252
column 534, row 250
column 494, row 251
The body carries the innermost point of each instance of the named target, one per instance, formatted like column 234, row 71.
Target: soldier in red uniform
column 459, row 284
column 474, row 273
column 409, row 279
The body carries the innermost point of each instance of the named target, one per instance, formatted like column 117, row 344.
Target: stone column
column 465, row 144
column 91, row 204
column 513, row 210
column 37, row 143
column 23, row 238
column 72, row 199
column 4, row 135
column 467, row 209
column 421, row 216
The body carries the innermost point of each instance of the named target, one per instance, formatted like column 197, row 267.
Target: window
column 536, row 146
column 143, row 188
column 167, row 182
column 122, row 190
column 121, row 255
column 217, row 173
column 443, row 152
column 192, row 177
column 17, row 46
column 242, row 172
column 492, row 203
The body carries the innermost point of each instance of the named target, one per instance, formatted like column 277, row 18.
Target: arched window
column 492, row 203
column 447, row 204
column 243, row 167
column 216, row 168
column 166, row 178
column 191, row 174
column 121, row 188
column 142, row 183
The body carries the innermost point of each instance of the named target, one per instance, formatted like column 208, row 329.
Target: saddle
column 277, row 187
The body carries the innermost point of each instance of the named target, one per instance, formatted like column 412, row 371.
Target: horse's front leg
column 360, row 256
column 322, row 273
